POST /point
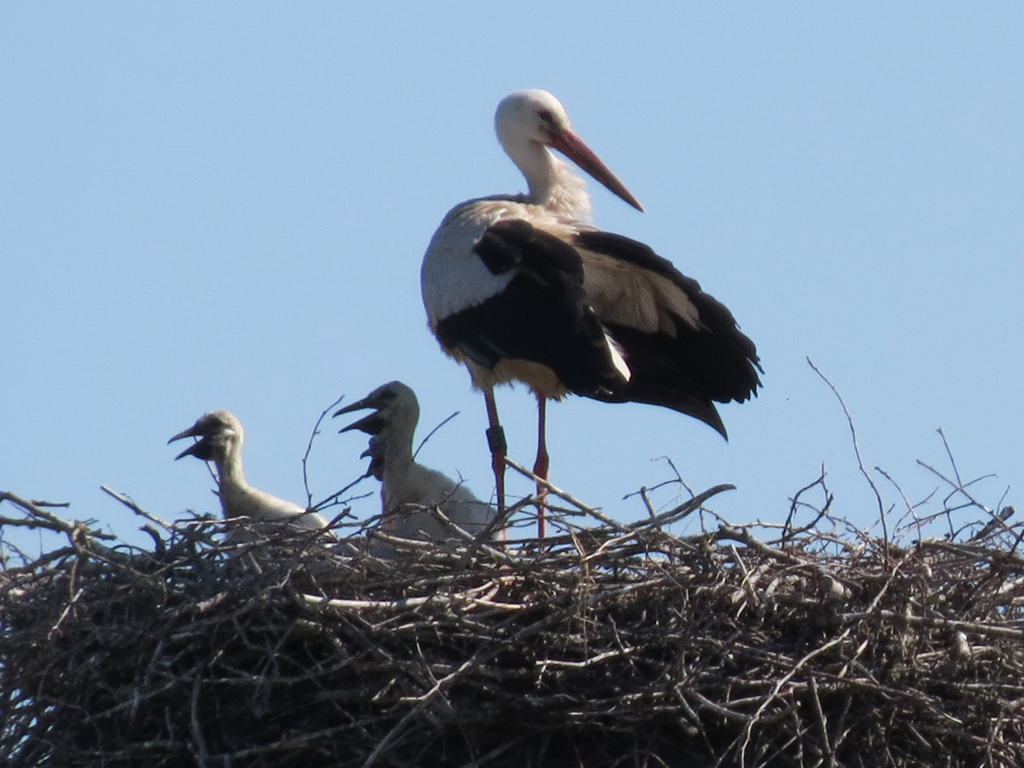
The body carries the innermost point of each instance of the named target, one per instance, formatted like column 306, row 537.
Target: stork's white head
column 529, row 121
column 530, row 115
column 220, row 435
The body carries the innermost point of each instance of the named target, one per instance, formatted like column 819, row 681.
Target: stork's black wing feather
column 710, row 360
column 541, row 315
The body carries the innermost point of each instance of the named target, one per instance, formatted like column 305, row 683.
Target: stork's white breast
column 453, row 277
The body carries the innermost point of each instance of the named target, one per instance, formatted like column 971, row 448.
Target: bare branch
column 856, row 451
column 309, row 449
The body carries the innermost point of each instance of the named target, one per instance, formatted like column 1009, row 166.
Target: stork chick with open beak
column 409, row 491
column 524, row 288
column 219, row 440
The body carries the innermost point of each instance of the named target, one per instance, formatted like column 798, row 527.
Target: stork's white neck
column 552, row 183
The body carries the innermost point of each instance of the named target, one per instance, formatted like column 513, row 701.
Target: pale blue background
column 225, row 205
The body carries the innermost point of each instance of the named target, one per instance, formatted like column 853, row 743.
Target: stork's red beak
column 572, row 146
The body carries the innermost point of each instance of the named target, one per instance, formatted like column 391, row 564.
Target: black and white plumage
column 524, row 288
column 546, row 316
column 409, row 491
column 220, row 439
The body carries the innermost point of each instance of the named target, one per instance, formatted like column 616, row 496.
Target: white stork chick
column 220, row 440
column 547, row 299
column 409, row 491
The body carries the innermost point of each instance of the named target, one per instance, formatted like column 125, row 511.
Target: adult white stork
column 220, row 441
column 524, row 288
column 409, row 491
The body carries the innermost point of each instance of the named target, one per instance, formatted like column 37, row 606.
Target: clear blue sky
column 224, row 205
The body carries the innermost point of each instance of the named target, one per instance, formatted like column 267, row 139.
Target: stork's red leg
column 541, row 466
column 498, row 446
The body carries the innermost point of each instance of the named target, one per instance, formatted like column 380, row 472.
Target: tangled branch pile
column 614, row 645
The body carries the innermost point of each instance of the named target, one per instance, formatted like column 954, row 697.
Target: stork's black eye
column 546, row 116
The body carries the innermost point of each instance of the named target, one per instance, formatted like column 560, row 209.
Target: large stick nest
column 613, row 645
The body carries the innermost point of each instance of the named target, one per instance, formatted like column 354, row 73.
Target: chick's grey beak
column 190, row 432
column 201, row 448
column 371, row 424
column 190, row 451
column 358, row 405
